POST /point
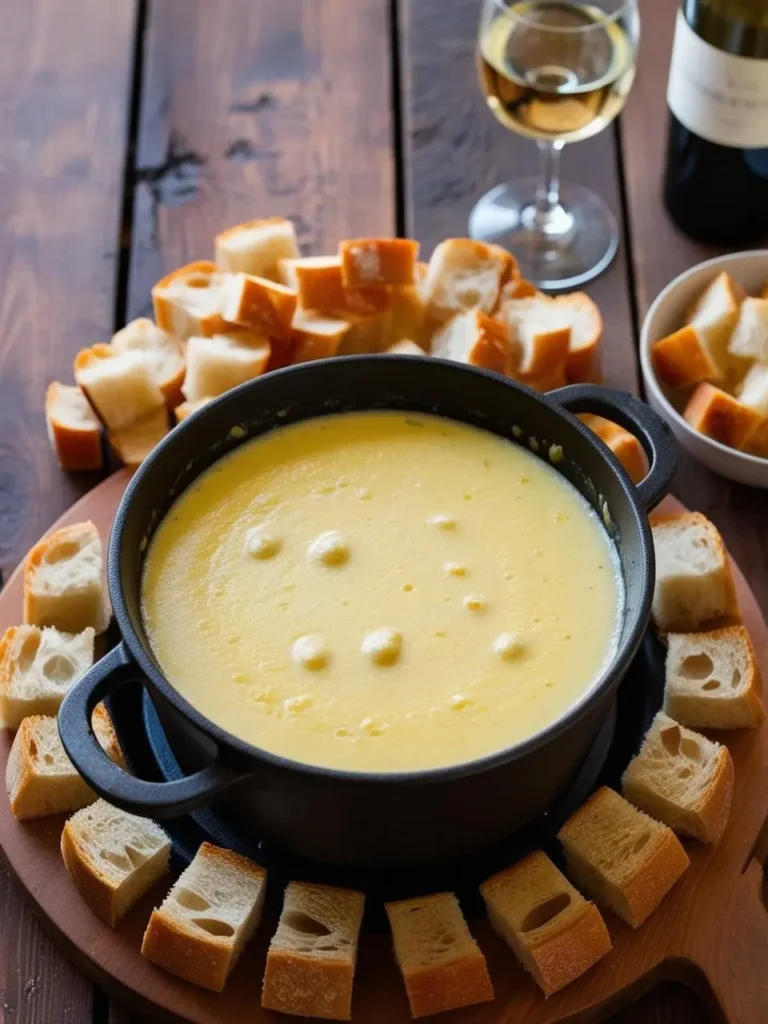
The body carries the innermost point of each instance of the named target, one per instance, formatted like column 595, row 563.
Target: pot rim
column 608, row 678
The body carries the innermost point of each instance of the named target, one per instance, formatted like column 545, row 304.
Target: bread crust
column 78, row 446
column 373, row 262
column 681, row 359
column 565, row 957
column 69, row 617
column 305, row 986
column 448, row 986
column 94, row 888
column 625, row 446
column 171, row 314
column 260, row 305
column 718, row 415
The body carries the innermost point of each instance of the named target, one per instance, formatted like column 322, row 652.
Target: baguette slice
column 377, row 262
column 113, row 858
column 208, row 916
column 37, row 668
column 312, row 956
column 715, row 315
column 682, row 359
column 464, row 274
column 442, row 966
column 216, row 364
column 720, row 416
column 683, row 779
column 119, row 385
column 694, row 585
column 181, row 412
column 540, row 335
column 476, row 339
column 583, row 363
column 256, row 247
column 134, row 443
column 406, row 347
column 73, row 427
column 40, row 778
column 555, row 933
column 259, row 305
column 162, row 352
column 749, row 339
column 713, row 680
column 625, row 446
column 620, row 857
column 63, row 581
column 753, row 391
column 188, row 301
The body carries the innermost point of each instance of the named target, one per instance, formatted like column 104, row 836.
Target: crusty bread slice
column 317, row 283
column 621, row 857
column 208, row 916
column 37, row 668
column 113, row 858
column 256, row 247
column 682, row 358
column 317, row 337
column 625, row 446
column 713, row 680
column 40, row 778
column 749, row 339
column 540, row 335
column 753, row 391
column 133, row 444
column 719, row 415
column 683, row 779
column 555, row 933
column 377, row 262
column 694, row 585
column 476, row 339
column 64, row 583
column 715, row 314
column 73, row 427
column 312, row 956
column 181, row 412
column 583, row 363
column 464, row 274
column 442, row 966
column 119, row 385
column 406, row 347
column 216, row 364
column 259, row 304
column 162, row 352
column 188, row 301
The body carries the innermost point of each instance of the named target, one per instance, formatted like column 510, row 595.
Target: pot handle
column 149, row 799
column 639, row 418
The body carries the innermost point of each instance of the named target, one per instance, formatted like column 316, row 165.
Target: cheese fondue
column 381, row 591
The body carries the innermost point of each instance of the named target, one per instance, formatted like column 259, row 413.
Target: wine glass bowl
column 555, row 71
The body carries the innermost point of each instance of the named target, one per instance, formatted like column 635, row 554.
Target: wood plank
column 63, row 106
column 455, row 151
column 660, row 253
column 280, row 107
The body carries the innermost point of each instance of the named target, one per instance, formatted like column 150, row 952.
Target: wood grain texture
column 711, row 931
column 280, row 107
column 660, row 253
column 65, row 69
column 455, row 151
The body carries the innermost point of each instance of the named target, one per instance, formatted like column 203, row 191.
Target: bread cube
column 625, row 446
column 540, row 335
column 475, row 339
column 73, row 427
column 720, row 416
column 753, row 391
column 714, row 316
column 134, row 443
column 749, row 339
column 464, row 274
column 317, row 337
column 682, row 359
column 259, row 305
column 119, row 385
column 188, row 301
column 367, row 262
column 256, row 247
column 583, row 362
column 162, row 352
column 214, row 365
column 181, row 412
column 63, row 581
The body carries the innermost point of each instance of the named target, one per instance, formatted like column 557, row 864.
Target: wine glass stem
column 546, row 216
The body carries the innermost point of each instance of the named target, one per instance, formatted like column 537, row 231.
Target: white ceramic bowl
column 666, row 315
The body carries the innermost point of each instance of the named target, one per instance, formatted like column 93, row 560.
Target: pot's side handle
column 639, row 418
column 149, row 799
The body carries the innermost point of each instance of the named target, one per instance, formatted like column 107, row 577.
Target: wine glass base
column 578, row 242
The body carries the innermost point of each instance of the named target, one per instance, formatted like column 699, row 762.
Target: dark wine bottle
column 716, row 180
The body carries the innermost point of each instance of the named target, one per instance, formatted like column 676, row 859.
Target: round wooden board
column 711, row 931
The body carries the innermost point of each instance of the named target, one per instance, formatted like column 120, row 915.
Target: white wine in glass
column 555, row 71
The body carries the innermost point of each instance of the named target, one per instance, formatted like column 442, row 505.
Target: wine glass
column 555, row 71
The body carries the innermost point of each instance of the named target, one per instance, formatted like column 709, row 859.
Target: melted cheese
column 381, row 591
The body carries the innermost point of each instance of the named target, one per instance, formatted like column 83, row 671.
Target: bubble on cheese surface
column 293, row 705
column 455, row 568
column 310, row 652
column 508, row 646
column 329, row 548
column 383, row 646
column 475, row 603
column 260, row 543
column 442, row 522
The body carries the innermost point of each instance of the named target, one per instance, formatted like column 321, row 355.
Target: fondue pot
column 370, row 820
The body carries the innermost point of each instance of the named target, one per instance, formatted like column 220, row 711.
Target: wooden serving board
column 711, row 932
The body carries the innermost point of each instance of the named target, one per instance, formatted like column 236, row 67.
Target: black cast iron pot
column 369, row 820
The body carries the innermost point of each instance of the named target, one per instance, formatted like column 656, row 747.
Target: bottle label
column 718, row 96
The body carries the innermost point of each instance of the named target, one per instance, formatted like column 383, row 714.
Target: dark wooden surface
column 131, row 131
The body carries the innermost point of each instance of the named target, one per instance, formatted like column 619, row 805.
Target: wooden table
column 132, row 130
